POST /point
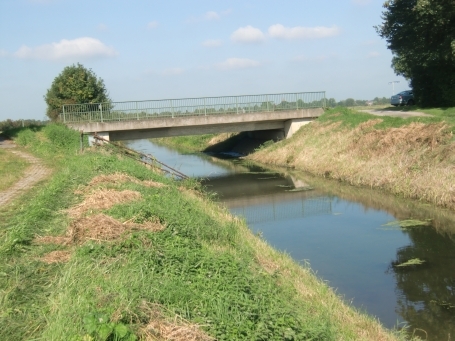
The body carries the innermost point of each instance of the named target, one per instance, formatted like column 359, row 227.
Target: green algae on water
column 411, row 262
column 409, row 223
column 300, row 189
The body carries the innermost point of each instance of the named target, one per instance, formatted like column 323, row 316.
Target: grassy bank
column 411, row 157
column 107, row 249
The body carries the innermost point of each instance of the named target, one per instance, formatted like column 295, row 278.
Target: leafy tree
column 350, row 102
column 421, row 36
column 74, row 85
column 331, row 102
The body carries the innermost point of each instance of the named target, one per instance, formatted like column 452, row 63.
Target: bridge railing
column 142, row 110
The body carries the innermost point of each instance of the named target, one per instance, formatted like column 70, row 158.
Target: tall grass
column 204, row 267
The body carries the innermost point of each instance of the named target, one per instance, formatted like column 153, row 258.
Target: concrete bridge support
column 291, row 126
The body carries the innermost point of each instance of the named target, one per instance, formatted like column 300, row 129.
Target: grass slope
column 411, row 157
column 109, row 250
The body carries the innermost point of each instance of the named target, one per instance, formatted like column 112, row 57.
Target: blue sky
column 173, row 49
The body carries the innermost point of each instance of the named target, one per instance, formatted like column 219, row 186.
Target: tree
column 74, row 85
column 331, row 102
column 421, row 36
column 349, row 102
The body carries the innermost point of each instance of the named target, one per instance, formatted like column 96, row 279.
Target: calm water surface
column 339, row 230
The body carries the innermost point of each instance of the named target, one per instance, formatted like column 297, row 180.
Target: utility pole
column 393, row 86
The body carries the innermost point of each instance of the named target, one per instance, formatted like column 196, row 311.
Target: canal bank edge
column 172, row 258
column 412, row 158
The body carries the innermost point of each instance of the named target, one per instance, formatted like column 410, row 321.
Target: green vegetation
column 202, row 143
column 411, row 262
column 352, row 118
column 14, row 124
column 11, row 168
column 421, row 37
column 74, row 85
column 186, row 144
column 110, row 250
column 351, row 102
column 407, row 223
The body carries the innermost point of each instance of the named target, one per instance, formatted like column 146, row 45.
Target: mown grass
column 352, row 118
column 12, row 168
column 204, row 266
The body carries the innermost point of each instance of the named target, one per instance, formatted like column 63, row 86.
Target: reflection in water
column 339, row 229
column 426, row 293
column 276, row 210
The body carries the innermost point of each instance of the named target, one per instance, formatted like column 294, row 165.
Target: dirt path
column 402, row 114
column 33, row 174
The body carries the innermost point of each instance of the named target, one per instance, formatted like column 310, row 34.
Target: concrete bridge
column 274, row 116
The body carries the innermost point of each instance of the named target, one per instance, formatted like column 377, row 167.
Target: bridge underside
column 287, row 122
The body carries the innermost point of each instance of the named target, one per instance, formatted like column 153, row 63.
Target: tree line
column 351, row 102
column 421, row 36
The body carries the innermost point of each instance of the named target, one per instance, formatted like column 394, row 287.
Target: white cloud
column 85, row 48
column 3, row 53
column 237, row 63
column 248, row 34
column 211, row 15
column 152, row 24
column 299, row 32
column 373, row 54
column 102, row 27
column 172, row 71
column 212, row 43
column 208, row 16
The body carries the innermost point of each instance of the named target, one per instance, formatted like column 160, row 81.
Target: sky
column 160, row 49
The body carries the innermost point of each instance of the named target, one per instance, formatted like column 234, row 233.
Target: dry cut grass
column 102, row 199
column 416, row 161
column 61, row 256
column 160, row 328
column 88, row 224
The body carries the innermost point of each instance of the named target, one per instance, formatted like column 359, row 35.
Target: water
column 340, row 231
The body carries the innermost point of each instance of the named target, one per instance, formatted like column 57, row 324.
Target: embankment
column 413, row 158
column 107, row 249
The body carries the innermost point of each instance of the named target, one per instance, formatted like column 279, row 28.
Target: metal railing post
column 267, row 101
column 137, row 112
column 296, row 103
column 205, row 108
column 64, row 118
column 101, row 112
column 237, row 103
column 172, row 109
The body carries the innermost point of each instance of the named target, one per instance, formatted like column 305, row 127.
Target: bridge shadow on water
column 260, row 197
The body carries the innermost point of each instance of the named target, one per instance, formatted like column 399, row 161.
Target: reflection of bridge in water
column 280, row 206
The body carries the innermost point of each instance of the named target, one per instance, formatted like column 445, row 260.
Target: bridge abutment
column 291, row 126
